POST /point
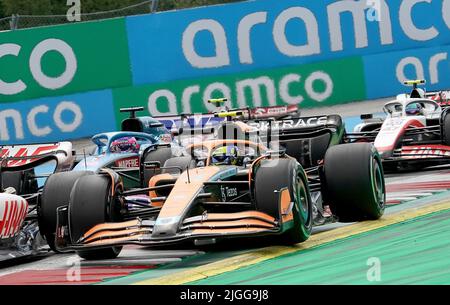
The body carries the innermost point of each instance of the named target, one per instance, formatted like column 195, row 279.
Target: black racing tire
column 276, row 174
column 161, row 155
column 55, row 194
column 181, row 162
column 354, row 182
column 91, row 203
column 99, row 254
column 446, row 129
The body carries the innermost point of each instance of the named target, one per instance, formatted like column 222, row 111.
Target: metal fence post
column 154, row 6
column 14, row 22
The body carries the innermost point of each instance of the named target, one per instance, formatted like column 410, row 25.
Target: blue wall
column 54, row 119
column 384, row 72
column 157, row 55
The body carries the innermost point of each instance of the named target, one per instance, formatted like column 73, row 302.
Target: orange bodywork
column 114, row 234
column 214, row 225
column 110, row 226
column 285, row 204
column 240, row 215
column 154, row 182
column 248, row 230
column 112, row 241
column 186, row 189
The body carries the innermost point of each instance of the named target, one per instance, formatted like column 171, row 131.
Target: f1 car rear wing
column 207, row 121
column 25, row 166
column 23, row 155
column 440, row 97
column 297, row 123
column 303, row 138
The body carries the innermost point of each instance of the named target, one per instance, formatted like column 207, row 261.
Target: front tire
column 91, row 204
column 274, row 175
column 446, row 129
column 354, row 182
column 56, row 193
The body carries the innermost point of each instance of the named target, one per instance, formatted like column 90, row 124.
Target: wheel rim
column 377, row 183
column 301, row 197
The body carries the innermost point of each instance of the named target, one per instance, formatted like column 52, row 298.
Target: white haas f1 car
column 415, row 133
column 23, row 172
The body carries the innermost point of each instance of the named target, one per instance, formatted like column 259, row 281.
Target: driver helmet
column 414, row 109
column 125, row 145
column 226, row 155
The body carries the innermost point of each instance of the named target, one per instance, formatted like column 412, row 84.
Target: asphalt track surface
column 419, row 198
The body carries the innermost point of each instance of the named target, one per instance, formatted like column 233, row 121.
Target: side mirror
column 366, row 116
column 152, row 164
column 155, row 125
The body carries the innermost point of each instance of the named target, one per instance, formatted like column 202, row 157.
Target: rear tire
column 56, row 193
column 354, row 182
column 91, row 204
column 446, row 129
column 161, row 155
column 281, row 173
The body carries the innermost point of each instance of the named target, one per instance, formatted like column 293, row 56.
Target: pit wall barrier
column 257, row 53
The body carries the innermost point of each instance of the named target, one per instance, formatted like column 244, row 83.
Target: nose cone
column 166, row 227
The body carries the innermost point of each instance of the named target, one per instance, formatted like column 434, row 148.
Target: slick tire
column 91, row 204
column 274, row 175
column 56, row 193
column 354, row 182
column 446, row 129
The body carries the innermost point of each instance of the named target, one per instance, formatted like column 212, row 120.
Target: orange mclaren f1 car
column 222, row 188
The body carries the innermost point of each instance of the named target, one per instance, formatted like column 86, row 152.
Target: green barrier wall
column 59, row 60
column 320, row 84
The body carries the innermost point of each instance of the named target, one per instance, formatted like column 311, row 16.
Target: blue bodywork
column 103, row 157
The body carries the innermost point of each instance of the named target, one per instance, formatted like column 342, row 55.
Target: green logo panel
column 312, row 85
column 57, row 60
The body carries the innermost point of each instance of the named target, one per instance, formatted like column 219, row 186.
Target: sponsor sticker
column 128, row 162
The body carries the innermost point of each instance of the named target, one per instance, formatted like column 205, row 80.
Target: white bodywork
column 400, row 116
column 62, row 150
column 13, row 210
